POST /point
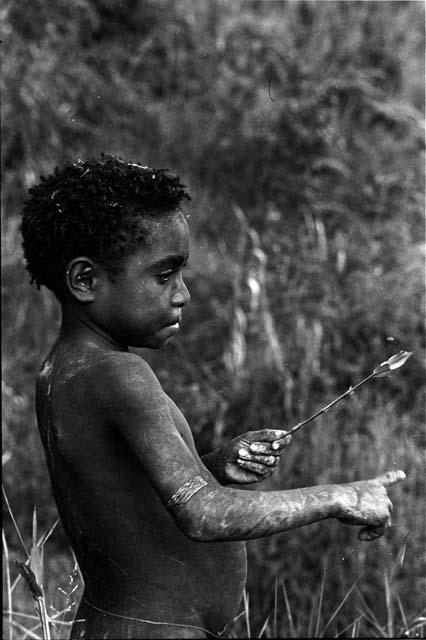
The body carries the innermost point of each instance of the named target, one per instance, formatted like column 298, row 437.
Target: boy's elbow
column 197, row 531
column 199, row 522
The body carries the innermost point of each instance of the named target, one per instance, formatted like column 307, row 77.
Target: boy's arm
column 136, row 405
column 239, row 515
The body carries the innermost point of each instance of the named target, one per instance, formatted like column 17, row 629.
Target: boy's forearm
column 210, row 461
column 216, row 514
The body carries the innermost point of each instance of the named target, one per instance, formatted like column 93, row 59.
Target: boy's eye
column 164, row 276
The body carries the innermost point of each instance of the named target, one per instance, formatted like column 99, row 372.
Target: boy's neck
column 76, row 325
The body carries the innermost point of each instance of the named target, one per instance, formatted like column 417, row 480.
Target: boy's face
column 142, row 305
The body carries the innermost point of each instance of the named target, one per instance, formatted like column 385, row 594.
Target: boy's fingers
column 255, row 467
column 391, row 477
column 263, row 448
column 268, row 440
column 265, row 435
column 269, row 460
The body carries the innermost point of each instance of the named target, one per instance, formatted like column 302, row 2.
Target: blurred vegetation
column 298, row 127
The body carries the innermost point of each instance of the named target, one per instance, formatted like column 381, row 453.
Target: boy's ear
column 81, row 279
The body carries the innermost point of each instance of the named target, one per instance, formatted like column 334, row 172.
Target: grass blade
column 402, row 612
column 320, row 601
column 44, row 618
column 389, row 609
column 400, row 557
column 26, row 631
column 337, row 609
column 246, row 612
column 373, row 618
column 36, row 554
column 374, row 622
column 41, row 542
column 8, row 587
column 354, row 625
column 418, row 623
column 45, row 537
column 275, row 608
column 263, row 629
column 35, row 527
column 288, row 609
column 21, row 614
column 21, row 540
column 311, row 620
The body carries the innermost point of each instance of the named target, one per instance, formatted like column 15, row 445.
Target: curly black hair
column 99, row 208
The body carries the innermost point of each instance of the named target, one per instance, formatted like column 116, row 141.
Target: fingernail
column 275, row 445
column 243, row 453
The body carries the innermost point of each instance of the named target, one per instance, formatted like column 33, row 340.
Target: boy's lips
column 173, row 323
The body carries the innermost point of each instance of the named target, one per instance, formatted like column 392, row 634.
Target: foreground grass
column 64, row 588
column 379, row 600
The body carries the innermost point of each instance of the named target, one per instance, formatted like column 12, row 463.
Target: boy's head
column 105, row 209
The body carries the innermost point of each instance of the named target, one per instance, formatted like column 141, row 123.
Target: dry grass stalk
column 26, row 632
column 31, row 571
column 33, row 575
column 38, row 595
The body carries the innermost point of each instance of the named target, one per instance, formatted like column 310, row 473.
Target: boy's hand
column 251, row 457
column 367, row 503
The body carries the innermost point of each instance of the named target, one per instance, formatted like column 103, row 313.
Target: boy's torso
column 134, row 558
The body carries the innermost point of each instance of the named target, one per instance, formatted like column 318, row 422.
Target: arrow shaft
column 331, row 404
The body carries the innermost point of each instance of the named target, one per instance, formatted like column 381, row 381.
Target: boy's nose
column 181, row 297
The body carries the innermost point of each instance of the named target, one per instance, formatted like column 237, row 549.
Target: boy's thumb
column 391, row 477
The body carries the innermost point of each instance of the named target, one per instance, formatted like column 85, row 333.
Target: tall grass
column 280, row 621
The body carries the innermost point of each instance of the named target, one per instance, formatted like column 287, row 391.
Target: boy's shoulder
column 103, row 385
column 125, row 371
column 110, row 370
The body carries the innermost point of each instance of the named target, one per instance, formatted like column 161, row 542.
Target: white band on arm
column 184, row 493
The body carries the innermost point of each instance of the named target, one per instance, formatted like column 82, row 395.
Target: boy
column 158, row 535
